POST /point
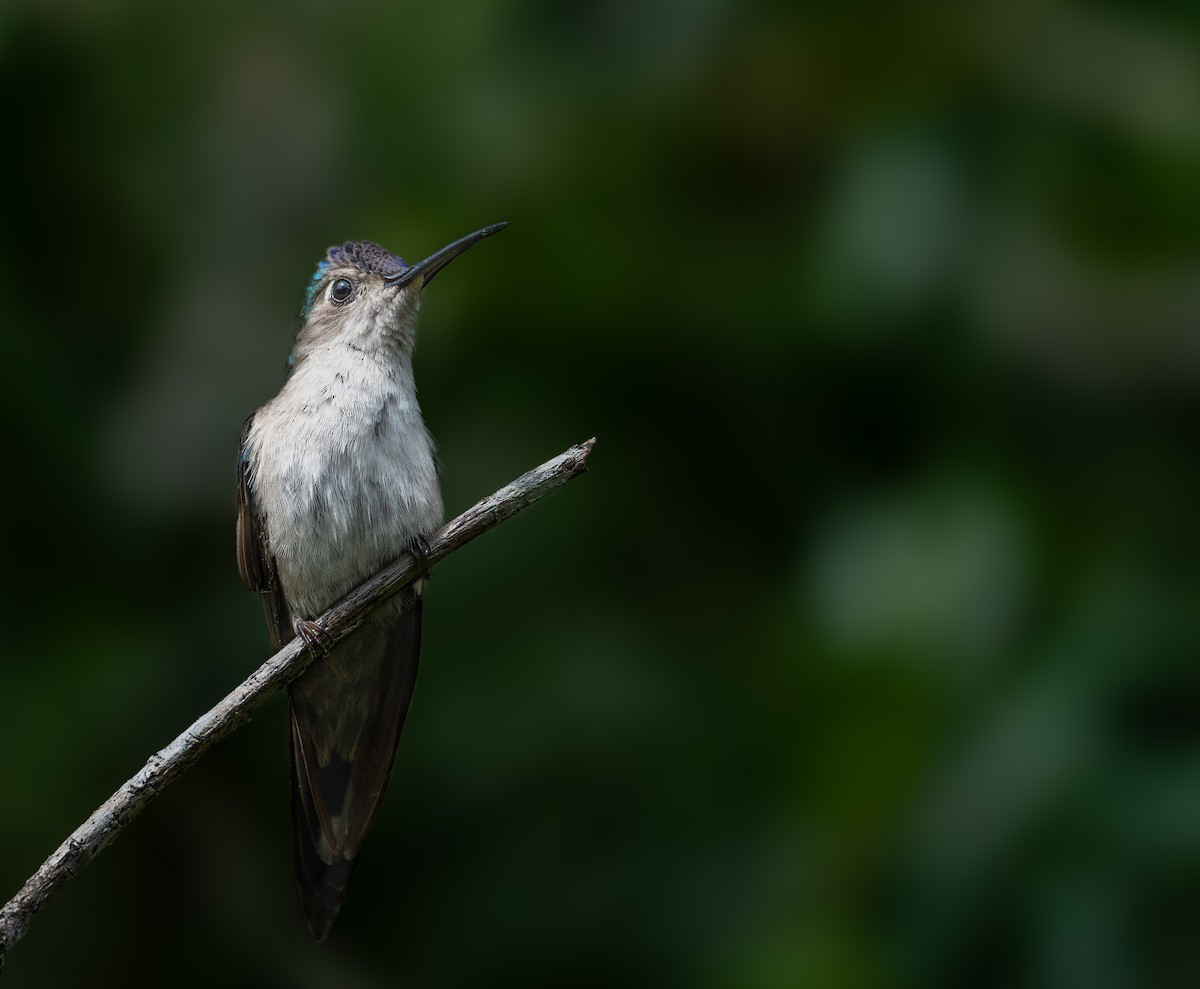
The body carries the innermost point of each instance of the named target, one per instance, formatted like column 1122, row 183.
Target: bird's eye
column 341, row 290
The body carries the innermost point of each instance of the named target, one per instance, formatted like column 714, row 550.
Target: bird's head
column 370, row 296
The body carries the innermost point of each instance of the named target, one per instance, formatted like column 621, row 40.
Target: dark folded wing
column 255, row 561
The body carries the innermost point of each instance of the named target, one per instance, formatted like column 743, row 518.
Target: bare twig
column 168, row 764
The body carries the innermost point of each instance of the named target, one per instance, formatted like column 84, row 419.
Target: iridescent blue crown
column 362, row 254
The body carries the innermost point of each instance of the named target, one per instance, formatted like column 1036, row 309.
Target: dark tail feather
column 347, row 712
column 323, row 886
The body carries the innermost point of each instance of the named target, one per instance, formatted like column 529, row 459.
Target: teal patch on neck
column 314, row 286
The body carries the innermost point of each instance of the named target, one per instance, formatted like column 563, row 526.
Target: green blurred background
column 864, row 656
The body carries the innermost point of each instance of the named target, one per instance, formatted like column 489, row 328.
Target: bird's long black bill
column 436, row 262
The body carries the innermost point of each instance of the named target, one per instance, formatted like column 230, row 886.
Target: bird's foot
column 314, row 635
column 419, row 547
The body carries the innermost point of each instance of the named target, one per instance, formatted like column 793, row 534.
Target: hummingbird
column 337, row 477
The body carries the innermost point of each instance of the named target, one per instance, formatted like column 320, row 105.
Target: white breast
column 343, row 471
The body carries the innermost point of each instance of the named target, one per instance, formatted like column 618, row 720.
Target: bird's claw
column 419, row 547
column 314, row 635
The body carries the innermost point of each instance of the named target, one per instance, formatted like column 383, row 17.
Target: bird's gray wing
column 255, row 561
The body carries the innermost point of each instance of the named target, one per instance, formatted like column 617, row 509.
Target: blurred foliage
column 865, row 656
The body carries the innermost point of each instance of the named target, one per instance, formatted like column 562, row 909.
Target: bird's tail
column 323, row 885
column 347, row 711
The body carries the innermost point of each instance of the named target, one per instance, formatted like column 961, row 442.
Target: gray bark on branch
column 171, row 762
